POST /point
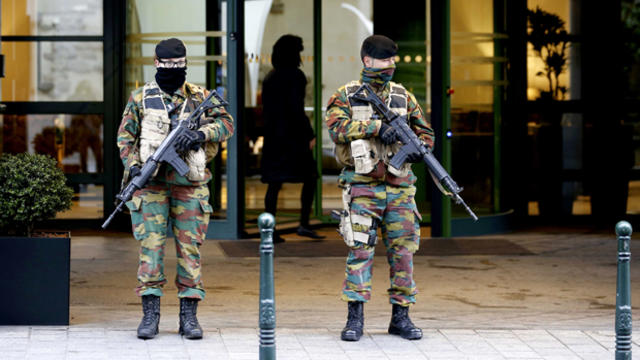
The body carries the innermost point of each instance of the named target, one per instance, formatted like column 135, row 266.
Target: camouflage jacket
column 343, row 130
column 219, row 130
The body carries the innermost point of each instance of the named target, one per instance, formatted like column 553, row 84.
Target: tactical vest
column 156, row 126
column 397, row 102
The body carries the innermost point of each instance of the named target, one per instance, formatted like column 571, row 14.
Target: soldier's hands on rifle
column 134, row 171
column 189, row 140
column 387, row 134
column 414, row 157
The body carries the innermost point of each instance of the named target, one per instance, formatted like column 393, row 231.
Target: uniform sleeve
column 342, row 128
column 128, row 134
column 220, row 126
column 419, row 123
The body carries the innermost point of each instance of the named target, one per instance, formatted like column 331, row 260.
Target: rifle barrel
column 117, row 210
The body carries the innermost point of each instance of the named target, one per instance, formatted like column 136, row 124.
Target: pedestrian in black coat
column 289, row 138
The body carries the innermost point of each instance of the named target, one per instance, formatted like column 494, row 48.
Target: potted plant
column 35, row 263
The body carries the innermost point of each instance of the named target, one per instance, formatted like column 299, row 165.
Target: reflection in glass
column 344, row 25
column 549, row 77
column 472, row 112
column 268, row 22
column 51, row 17
column 53, row 71
column 87, row 203
column 75, row 141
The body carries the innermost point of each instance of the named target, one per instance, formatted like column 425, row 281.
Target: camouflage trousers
column 395, row 210
column 189, row 210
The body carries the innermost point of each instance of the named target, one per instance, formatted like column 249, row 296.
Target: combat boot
column 402, row 325
column 355, row 322
column 148, row 328
column 189, row 326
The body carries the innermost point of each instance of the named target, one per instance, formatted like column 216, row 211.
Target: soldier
column 152, row 111
column 374, row 193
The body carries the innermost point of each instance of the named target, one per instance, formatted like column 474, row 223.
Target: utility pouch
column 364, row 155
column 361, row 223
column 342, row 153
column 364, row 224
column 345, row 229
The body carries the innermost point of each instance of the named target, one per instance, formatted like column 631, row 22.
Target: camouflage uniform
column 170, row 196
column 385, row 197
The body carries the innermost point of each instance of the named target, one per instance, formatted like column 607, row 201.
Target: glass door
column 54, row 91
column 477, row 81
column 266, row 21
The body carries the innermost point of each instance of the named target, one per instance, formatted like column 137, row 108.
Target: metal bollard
column 267, row 322
column 623, row 292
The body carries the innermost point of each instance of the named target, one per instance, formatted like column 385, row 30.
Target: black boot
column 306, row 231
column 148, row 328
column 355, row 322
column 402, row 325
column 189, row 326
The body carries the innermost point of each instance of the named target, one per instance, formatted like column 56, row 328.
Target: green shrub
column 32, row 188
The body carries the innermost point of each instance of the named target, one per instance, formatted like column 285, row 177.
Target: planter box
column 35, row 273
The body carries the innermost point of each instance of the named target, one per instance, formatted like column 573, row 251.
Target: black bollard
column 267, row 322
column 623, row 292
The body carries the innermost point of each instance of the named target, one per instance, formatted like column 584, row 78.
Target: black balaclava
column 171, row 78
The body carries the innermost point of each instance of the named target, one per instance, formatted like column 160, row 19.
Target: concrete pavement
column 556, row 303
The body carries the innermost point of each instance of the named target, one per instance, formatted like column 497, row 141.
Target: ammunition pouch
column 342, row 153
column 354, row 228
column 365, row 156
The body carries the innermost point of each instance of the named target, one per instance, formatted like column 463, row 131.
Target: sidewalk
column 78, row 342
column 554, row 301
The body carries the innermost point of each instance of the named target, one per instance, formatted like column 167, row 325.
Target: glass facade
column 473, row 111
column 51, row 17
column 555, row 123
column 75, row 141
column 53, row 71
column 265, row 22
column 54, row 89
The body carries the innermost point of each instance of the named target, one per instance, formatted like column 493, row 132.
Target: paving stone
column 242, row 356
column 417, row 356
column 520, row 355
column 325, row 357
column 87, row 355
column 45, row 357
column 484, row 357
column 13, row 355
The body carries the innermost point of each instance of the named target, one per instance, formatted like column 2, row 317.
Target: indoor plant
column 35, row 264
column 549, row 40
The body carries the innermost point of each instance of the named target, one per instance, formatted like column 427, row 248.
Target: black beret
column 170, row 48
column 378, row 47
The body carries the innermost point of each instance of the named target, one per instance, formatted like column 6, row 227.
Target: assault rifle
column 166, row 152
column 412, row 144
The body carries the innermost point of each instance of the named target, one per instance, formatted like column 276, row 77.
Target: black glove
column 189, row 140
column 134, row 171
column 414, row 157
column 387, row 134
